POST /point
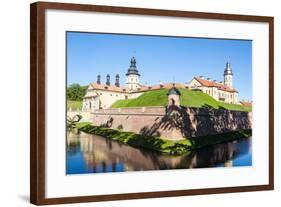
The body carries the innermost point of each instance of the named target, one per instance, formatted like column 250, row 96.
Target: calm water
column 94, row 154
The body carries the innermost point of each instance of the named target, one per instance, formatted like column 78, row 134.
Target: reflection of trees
column 73, row 147
column 104, row 155
column 73, row 142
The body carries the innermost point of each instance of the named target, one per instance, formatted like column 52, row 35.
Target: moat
column 88, row 153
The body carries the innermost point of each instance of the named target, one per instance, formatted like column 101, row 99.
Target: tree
column 75, row 92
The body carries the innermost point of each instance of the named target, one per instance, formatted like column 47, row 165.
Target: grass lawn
column 74, row 105
column 162, row 145
column 189, row 98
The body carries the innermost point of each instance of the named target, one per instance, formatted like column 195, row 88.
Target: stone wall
column 86, row 116
column 173, row 123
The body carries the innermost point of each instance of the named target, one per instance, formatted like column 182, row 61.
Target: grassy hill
column 188, row 98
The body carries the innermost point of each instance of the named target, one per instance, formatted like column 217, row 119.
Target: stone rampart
column 173, row 123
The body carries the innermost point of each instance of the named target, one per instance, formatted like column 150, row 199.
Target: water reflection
column 93, row 154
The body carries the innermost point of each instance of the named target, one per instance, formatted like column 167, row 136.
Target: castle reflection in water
column 94, row 154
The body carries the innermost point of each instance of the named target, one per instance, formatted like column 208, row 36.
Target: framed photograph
column 130, row 103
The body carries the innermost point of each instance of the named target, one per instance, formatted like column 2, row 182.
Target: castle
column 102, row 96
column 221, row 91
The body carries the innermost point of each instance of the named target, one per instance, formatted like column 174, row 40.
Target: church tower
column 133, row 76
column 228, row 75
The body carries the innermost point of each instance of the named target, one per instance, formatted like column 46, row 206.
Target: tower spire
column 108, row 80
column 133, row 68
column 98, row 79
column 117, row 84
column 228, row 75
column 133, row 76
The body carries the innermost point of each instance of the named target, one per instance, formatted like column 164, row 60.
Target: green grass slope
column 189, row 98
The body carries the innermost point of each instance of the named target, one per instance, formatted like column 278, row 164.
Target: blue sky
column 158, row 59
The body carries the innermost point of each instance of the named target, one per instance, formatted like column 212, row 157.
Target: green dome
column 174, row 91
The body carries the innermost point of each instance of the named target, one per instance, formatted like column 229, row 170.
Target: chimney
column 108, row 80
column 98, row 79
column 117, row 84
column 208, row 78
column 201, row 76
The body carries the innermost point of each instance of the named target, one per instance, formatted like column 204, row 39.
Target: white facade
column 218, row 93
column 100, row 96
column 228, row 81
column 133, row 82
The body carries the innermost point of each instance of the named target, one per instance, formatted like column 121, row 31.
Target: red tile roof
column 246, row 103
column 141, row 89
column 209, row 83
column 108, row 88
column 159, row 86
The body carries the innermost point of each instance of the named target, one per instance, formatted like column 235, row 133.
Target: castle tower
column 98, row 79
column 117, row 83
column 133, row 76
column 107, row 80
column 228, row 75
column 173, row 97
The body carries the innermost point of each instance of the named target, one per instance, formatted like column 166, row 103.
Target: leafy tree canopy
column 75, row 92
